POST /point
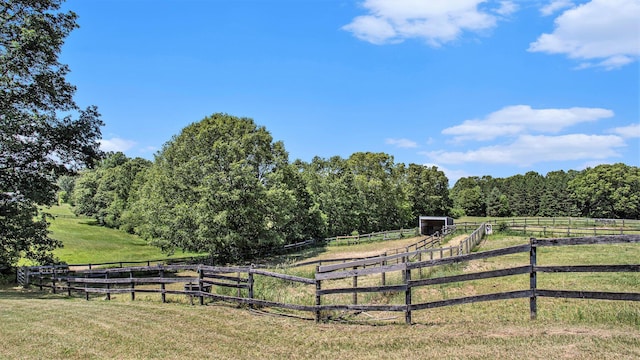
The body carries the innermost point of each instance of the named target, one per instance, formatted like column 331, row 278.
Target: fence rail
column 327, row 280
column 328, row 273
column 353, row 239
column 563, row 221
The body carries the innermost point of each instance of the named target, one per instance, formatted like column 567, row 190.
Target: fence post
column 162, row 287
column 355, row 285
column 200, row 277
column 53, row 280
column 384, row 275
column 533, row 279
column 318, row 296
column 407, row 297
column 238, row 283
column 133, row 286
column 250, row 284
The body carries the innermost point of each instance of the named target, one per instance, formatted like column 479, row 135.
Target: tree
column 66, row 184
column 608, row 191
column 104, row 192
column 557, row 199
column 378, row 182
column 222, row 186
column 332, row 189
column 428, row 191
column 469, row 197
column 497, row 204
column 36, row 144
column 471, row 201
column 524, row 193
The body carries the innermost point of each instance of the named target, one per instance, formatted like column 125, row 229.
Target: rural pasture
column 40, row 324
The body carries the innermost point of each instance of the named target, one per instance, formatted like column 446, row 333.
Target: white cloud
column 116, row 144
column 507, row 8
column 436, row 22
column 554, row 6
column 601, row 33
column 402, row 143
column 529, row 149
column 520, row 119
column 631, row 131
column 372, row 29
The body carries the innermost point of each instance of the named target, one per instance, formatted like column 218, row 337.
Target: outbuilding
column 429, row 225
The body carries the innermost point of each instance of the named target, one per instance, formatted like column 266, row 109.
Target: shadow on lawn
column 16, row 292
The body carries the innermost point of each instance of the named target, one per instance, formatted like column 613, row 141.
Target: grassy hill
column 86, row 242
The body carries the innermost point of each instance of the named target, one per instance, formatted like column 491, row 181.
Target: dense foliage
column 37, row 144
column 223, row 186
column 606, row 191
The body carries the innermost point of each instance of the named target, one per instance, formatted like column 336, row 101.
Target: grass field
column 42, row 325
column 85, row 242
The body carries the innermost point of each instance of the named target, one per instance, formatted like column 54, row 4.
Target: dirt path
column 456, row 240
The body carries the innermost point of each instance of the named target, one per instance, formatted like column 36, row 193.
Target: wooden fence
column 382, row 235
column 352, row 239
column 154, row 279
column 543, row 230
column 335, row 272
column 427, row 242
column 240, row 282
column 624, row 225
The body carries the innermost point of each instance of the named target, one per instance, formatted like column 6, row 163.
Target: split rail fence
column 428, row 242
column 564, row 226
column 240, row 282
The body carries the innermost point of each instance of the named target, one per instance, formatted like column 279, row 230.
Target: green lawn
column 85, row 242
column 43, row 325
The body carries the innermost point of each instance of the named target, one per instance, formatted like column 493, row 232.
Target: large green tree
column 468, row 196
column 43, row 133
column 608, row 191
column 379, row 185
column 223, row 186
column 428, row 191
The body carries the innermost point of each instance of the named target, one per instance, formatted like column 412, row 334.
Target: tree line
column 224, row 186
column 605, row 191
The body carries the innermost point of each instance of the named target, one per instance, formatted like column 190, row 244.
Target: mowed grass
column 42, row 325
column 85, row 242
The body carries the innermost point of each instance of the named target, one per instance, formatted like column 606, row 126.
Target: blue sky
column 475, row 87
